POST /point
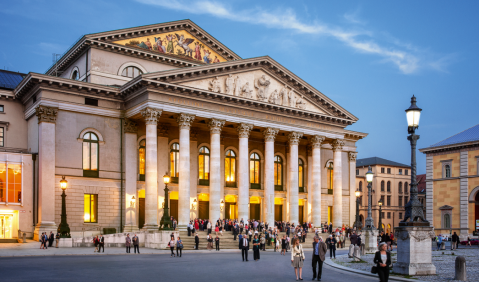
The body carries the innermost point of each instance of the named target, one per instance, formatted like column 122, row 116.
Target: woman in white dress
column 297, row 259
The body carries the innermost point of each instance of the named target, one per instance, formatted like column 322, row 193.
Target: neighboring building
column 240, row 138
column 452, row 183
column 390, row 184
column 421, row 189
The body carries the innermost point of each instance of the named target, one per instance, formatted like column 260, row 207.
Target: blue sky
column 368, row 56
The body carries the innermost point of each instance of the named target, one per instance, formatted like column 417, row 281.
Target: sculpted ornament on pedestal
column 244, row 130
column 270, row 133
column 295, row 137
column 151, row 115
column 216, row 125
column 46, row 114
column 215, row 85
column 262, row 86
column 418, row 236
column 185, row 120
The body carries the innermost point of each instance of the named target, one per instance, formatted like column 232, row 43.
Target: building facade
column 390, row 185
column 452, row 183
column 240, row 138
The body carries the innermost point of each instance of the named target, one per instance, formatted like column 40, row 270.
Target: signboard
column 22, row 211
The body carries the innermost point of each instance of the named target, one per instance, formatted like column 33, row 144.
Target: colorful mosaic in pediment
column 179, row 43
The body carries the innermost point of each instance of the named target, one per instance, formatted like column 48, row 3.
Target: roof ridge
column 433, row 145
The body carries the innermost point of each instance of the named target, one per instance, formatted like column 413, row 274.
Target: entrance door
column 301, row 214
column 231, row 210
column 204, row 209
column 255, row 211
column 174, row 209
column 141, row 212
column 278, row 213
column 330, row 214
column 6, row 226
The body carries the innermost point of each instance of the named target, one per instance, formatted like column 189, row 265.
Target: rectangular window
column 361, row 200
column 400, row 171
column 400, row 215
column 382, row 170
column 91, row 102
column 1, row 109
column 406, row 172
column 389, row 215
column 2, row 136
column 400, row 201
column 90, row 208
column 357, row 171
column 10, row 183
column 406, row 200
column 389, row 171
column 382, row 215
column 389, row 200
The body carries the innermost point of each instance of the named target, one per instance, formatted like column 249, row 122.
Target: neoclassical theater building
column 240, row 138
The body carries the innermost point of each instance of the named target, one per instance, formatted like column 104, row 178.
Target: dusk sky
column 370, row 57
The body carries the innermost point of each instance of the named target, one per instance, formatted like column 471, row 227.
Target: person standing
column 128, row 243
column 57, row 240
column 136, row 244
column 382, row 259
column 262, row 245
column 179, row 246
column 95, row 242
column 319, row 255
column 217, row 243
column 297, row 259
column 235, row 232
column 331, row 242
column 256, row 245
column 208, row 227
column 189, row 228
column 250, row 235
column 50, row 239
column 391, row 238
column 197, row 241
column 283, row 245
column 240, row 236
column 171, row 244
column 101, row 243
column 354, row 242
column 244, row 246
column 42, row 243
column 455, row 240
column 439, row 241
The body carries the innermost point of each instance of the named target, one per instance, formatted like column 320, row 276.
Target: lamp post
column 357, row 224
column 63, row 228
column 165, row 222
column 369, row 220
column 380, row 203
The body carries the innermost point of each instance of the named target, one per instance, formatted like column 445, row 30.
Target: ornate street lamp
column 63, row 228
column 358, row 225
column 414, row 210
column 369, row 220
column 165, row 222
column 380, row 203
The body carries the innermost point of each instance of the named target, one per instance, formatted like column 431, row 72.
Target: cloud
column 363, row 41
column 353, row 17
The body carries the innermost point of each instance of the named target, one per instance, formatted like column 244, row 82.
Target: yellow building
column 452, row 183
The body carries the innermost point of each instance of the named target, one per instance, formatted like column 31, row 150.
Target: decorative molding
column 337, row 145
column 91, row 129
column 316, row 141
column 294, row 138
column 46, row 114
column 5, row 123
column 130, row 126
column 216, row 125
column 151, row 115
column 193, row 135
column 185, row 120
column 418, row 235
column 270, row 134
column 244, row 130
column 163, row 130
column 353, row 156
column 446, row 207
column 472, row 195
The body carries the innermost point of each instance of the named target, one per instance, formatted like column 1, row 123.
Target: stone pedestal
column 414, row 253
column 370, row 239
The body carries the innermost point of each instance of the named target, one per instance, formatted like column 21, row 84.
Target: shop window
column 230, row 168
column 174, row 162
column 254, row 171
column 142, row 159
column 90, row 214
column 10, row 183
column 204, row 166
column 301, row 175
column 90, row 155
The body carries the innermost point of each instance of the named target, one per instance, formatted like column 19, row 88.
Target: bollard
column 443, row 245
column 363, row 249
column 357, row 256
column 460, row 268
column 24, row 237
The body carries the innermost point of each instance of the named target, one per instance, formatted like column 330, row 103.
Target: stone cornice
column 46, row 114
column 449, row 148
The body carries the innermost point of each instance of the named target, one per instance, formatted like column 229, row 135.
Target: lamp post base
column 370, row 239
column 150, row 227
column 414, row 252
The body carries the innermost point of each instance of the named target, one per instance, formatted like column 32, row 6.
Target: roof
column 468, row 135
column 378, row 161
column 10, row 79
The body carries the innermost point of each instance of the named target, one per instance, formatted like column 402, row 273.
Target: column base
column 414, row 252
column 370, row 239
column 182, row 228
column 130, row 228
column 44, row 227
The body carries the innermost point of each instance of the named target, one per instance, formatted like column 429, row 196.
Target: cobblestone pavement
column 444, row 260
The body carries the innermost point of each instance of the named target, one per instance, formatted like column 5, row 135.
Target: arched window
column 90, row 154
column 388, row 187
column 447, row 169
column 447, row 221
column 141, row 159
column 400, row 187
column 75, row 75
column 204, row 166
column 330, row 178
column 230, row 168
column 174, row 162
column 301, row 175
column 131, row 72
column 278, row 173
column 406, row 188
column 254, row 171
column 360, row 186
column 382, row 186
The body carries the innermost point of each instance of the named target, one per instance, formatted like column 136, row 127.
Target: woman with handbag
column 297, row 259
column 382, row 259
column 171, row 244
column 179, row 246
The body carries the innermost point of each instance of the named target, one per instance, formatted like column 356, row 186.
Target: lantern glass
column 380, row 203
column 63, row 183
column 357, row 193
column 166, row 179
column 413, row 113
column 369, row 175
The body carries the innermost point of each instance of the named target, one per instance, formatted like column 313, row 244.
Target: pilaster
column 352, row 187
column 464, row 195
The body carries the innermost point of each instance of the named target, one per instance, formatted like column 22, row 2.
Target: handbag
column 374, row 270
column 180, row 245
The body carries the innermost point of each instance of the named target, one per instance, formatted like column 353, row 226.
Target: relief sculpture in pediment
column 246, row 92
column 262, row 86
column 215, row 85
column 237, row 91
column 229, row 84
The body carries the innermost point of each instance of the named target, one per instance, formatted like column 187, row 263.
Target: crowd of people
column 47, row 240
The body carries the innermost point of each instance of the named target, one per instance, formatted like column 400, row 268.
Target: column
column 193, row 173
column 47, row 117
column 163, row 162
column 151, row 116
column 269, row 136
column 243, row 170
column 184, row 123
column 316, row 179
column 352, row 187
column 337, row 184
column 294, row 138
column 130, row 153
column 215, row 126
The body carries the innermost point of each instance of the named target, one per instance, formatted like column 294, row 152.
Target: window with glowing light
column 142, row 159
column 11, row 183
column 330, row 178
column 90, row 214
column 174, row 162
column 230, row 168
column 254, row 171
column 90, row 155
column 204, row 165
column 278, row 173
column 301, row 175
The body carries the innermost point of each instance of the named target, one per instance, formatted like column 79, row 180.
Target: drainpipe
column 34, row 158
column 121, row 175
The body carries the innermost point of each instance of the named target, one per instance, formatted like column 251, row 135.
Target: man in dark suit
column 244, row 246
column 101, row 243
column 235, row 232
column 197, row 241
column 319, row 254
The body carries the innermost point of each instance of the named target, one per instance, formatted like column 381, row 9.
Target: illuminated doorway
column 330, row 214
column 6, row 226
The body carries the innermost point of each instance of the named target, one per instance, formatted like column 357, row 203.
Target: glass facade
column 10, row 182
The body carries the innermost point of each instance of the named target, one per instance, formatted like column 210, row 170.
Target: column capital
column 46, row 114
column 151, row 115
column 352, row 156
column 316, row 141
column 163, row 130
column 215, row 125
column 270, row 134
column 294, row 137
column 130, row 126
column 337, row 144
column 244, row 129
column 185, row 120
